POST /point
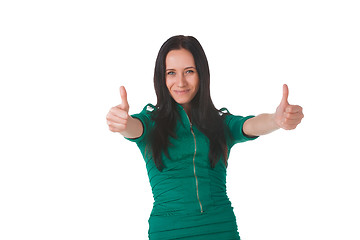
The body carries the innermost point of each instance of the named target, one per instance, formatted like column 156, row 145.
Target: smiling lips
column 181, row 92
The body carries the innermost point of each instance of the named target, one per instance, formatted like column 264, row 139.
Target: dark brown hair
column 203, row 113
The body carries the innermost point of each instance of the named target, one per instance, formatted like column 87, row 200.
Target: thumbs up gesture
column 288, row 116
column 118, row 116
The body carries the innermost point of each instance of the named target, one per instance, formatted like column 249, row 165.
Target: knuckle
column 124, row 115
column 111, row 112
column 288, row 127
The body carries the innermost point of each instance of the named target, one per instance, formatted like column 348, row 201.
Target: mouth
column 181, row 92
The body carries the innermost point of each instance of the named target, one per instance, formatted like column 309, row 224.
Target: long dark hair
column 203, row 113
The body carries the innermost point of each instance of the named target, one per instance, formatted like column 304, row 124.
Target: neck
column 186, row 108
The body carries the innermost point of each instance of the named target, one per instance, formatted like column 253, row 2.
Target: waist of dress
column 176, row 208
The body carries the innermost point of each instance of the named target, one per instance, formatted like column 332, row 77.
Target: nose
column 181, row 81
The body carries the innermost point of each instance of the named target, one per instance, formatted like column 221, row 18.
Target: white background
column 64, row 175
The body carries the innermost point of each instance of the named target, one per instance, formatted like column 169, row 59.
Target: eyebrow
column 175, row 69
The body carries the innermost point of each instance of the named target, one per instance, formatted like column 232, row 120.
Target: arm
column 260, row 125
column 119, row 120
column 134, row 128
column 286, row 116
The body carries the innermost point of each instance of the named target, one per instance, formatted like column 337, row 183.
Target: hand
column 118, row 116
column 287, row 116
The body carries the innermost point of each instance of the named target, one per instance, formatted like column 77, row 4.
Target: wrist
column 273, row 122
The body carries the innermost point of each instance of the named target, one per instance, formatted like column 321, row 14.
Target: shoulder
column 224, row 111
column 148, row 109
column 235, row 126
column 230, row 118
column 225, row 114
column 145, row 117
column 146, row 114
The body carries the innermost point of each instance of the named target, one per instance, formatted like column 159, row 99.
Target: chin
column 182, row 102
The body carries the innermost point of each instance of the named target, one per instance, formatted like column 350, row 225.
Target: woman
column 186, row 141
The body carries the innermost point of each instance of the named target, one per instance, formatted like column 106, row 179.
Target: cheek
column 169, row 82
column 196, row 83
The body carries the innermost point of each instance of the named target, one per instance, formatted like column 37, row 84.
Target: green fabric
column 190, row 200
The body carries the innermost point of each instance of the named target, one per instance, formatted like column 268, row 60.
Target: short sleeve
column 235, row 125
column 145, row 118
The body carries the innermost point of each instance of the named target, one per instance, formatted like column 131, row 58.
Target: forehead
column 180, row 58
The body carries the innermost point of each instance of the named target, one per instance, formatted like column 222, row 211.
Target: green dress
column 190, row 200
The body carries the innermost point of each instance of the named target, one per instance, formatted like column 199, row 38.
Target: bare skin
column 120, row 121
column 286, row 117
column 182, row 78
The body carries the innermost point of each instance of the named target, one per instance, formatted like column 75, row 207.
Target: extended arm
column 286, row 116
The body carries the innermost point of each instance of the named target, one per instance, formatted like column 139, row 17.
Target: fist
column 288, row 116
column 118, row 116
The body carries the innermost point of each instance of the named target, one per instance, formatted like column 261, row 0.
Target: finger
column 123, row 95
column 297, row 115
column 119, row 112
column 285, row 96
column 287, row 121
column 115, row 119
column 114, row 127
column 289, row 126
column 293, row 109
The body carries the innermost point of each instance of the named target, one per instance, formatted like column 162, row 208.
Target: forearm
column 260, row 125
column 134, row 128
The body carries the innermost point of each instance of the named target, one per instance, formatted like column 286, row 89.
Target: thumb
column 124, row 104
column 284, row 100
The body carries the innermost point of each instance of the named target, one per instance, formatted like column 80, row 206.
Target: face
column 182, row 79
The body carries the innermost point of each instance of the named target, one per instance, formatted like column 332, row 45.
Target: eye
column 170, row 73
column 189, row 71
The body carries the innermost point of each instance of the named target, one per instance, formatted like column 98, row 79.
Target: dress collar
column 185, row 119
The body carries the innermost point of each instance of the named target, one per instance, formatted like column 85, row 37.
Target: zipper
column 196, row 180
